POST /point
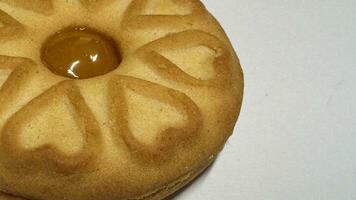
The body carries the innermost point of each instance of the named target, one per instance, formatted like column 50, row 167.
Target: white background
column 296, row 136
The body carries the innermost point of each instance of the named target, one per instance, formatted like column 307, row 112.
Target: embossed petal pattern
column 111, row 162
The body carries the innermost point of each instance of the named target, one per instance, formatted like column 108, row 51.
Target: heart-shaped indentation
column 143, row 125
column 59, row 115
column 182, row 117
column 55, row 131
column 215, row 52
column 145, row 21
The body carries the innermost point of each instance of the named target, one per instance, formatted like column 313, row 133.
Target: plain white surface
column 296, row 136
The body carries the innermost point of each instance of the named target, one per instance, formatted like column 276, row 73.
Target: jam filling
column 80, row 53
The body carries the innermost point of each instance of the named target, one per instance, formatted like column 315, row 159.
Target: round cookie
column 147, row 102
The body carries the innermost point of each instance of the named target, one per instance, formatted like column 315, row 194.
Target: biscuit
column 141, row 127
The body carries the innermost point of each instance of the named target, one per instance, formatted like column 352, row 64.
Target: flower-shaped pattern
column 164, row 29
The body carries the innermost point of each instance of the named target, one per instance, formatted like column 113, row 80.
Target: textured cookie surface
column 141, row 131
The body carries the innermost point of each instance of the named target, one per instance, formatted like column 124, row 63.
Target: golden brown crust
column 160, row 193
column 96, row 4
column 4, row 196
column 11, row 27
column 190, row 107
column 40, row 6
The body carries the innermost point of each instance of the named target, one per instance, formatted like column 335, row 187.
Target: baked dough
column 141, row 131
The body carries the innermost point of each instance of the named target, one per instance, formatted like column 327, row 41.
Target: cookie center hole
column 80, row 53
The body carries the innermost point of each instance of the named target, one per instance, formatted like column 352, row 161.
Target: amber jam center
column 80, row 53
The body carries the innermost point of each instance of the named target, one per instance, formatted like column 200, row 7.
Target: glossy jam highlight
column 80, row 53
